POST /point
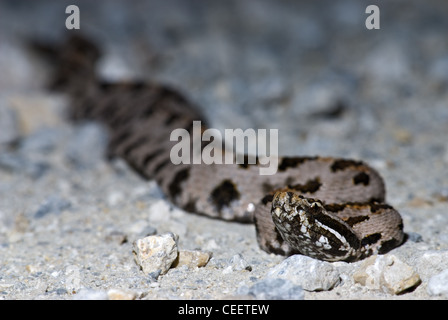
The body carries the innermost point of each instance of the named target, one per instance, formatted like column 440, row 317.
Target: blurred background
column 310, row 69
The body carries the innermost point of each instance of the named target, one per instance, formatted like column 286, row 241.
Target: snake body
column 327, row 208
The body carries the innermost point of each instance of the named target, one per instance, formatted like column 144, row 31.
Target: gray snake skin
column 326, row 208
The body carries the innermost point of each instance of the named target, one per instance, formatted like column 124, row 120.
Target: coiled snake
column 326, row 208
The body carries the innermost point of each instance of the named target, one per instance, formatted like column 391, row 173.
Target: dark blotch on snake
column 293, row 162
column 161, row 165
column 246, row 163
column 174, row 187
column 351, row 221
column 342, row 164
column 374, row 207
column 371, row 239
column 172, row 118
column 135, row 145
column 310, row 186
column 150, row 156
column 268, row 198
column 361, row 178
column 224, row 194
column 388, row 245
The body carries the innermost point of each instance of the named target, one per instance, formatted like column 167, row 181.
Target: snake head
column 287, row 205
column 307, row 227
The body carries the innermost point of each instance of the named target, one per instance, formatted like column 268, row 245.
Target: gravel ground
column 68, row 217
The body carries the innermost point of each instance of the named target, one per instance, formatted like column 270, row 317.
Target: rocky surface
column 69, row 217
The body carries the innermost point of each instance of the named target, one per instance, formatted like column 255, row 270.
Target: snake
column 331, row 209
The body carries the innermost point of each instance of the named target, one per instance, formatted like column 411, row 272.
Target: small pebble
column 192, row 258
column 156, row 252
column 33, row 269
column 119, row 294
column 388, row 274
